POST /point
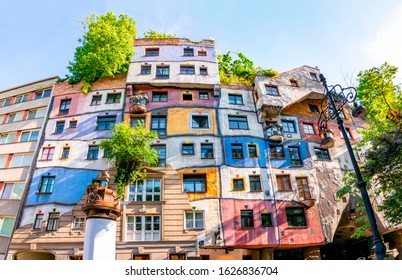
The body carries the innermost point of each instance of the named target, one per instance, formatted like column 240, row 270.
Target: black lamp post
column 335, row 99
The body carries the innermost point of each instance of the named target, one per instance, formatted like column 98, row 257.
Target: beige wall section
column 14, row 174
column 38, row 85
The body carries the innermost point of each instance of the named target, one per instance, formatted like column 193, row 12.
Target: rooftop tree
column 105, row 49
column 152, row 34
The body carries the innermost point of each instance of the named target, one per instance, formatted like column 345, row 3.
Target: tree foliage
column 240, row 70
column 382, row 98
column 381, row 165
column 105, row 49
column 152, row 34
column 130, row 150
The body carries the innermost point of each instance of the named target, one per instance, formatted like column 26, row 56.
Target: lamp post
column 335, row 99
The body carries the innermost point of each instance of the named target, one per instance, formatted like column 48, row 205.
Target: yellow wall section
column 212, row 183
column 178, row 121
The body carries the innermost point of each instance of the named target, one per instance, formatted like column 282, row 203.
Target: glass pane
column 17, row 191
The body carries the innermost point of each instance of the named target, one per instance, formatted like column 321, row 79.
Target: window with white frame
column 12, row 191
column 29, row 136
column 7, row 138
column 145, row 190
column 21, row 160
column 308, row 128
column 194, row 220
column 78, row 222
column 3, row 161
column 143, row 228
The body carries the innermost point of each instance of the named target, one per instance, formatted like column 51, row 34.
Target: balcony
column 274, row 132
column 305, row 196
column 138, row 103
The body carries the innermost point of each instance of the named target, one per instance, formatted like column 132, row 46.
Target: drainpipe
column 268, row 156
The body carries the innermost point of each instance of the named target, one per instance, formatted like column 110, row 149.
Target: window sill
column 112, row 103
column 95, row 104
column 255, row 191
column 207, row 158
column 46, row 193
column 297, row 227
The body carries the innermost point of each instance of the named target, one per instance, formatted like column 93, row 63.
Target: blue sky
column 341, row 37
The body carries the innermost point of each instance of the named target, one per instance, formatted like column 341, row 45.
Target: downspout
column 268, row 156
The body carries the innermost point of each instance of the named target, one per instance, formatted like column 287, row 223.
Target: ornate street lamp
column 332, row 105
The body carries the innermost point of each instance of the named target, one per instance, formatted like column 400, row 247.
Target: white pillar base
column 100, row 239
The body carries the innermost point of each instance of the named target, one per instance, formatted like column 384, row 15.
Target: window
column 145, row 70
column 43, row 94
column 293, row 83
column 18, row 116
column 276, row 152
column 288, row 126
column 266, row 220
column 238, row 122
column 203, row 95
column 93, row 152
column 207, row 151
column 308, row 128
column 159, row 96
column 64, row 106
column 202, row 53
column 143, row 228
column 78, row 222
column 194, row 183
column 65, row 153
column 47, row 153
column 238, row 184
column 161, row 154
column 162, row 72
column 7, row 102
column 53, row 222
column 142, row 257
column 295, row 217
column 72, row 124
column 313, row 108
column 29, row 136
column 12, row 191
column 203, row 71
column 47, row 184
column 100, row 182
column 177, row 257
column 255, row 183
column 187, row 149
column 322, row 154
column 200, row 121
column 96, row 99
column 252, row 150
column 75, row 258
column 3, row 161
column 21, row 98
column 313, row 76
column 235, row 99
column 237, row 151
column 11, row 118
column 34, row 114
column 188, row 52
column 8, row 138
column 38, row 221
column 106, row 122
column 152, row 52
column 113, row 98
column 145, row 190
column 272, row 90
column 294, row 156
column 6, row 226
column 194, row 220
column 247, row 220
column 303, row 188
column 21, row 160
column 187, row 70
column 31, row 114
column 134, row 121
column 283, row 182
column 59, row 127
column 187, row 96
column 158, row 124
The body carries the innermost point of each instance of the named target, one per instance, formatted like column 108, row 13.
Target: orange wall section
column 179, row 121
column 212, row 182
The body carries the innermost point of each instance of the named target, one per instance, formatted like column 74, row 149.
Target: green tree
column 130, row 150
column 105, row 49
column 382, row 98
column 152, row 34
column 240, row 70
column 382, row 142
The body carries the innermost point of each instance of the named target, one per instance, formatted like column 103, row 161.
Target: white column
column 100, row 239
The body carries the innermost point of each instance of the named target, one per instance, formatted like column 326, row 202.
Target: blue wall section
column 69, row 186
column 246, row 161
column 285, row 163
